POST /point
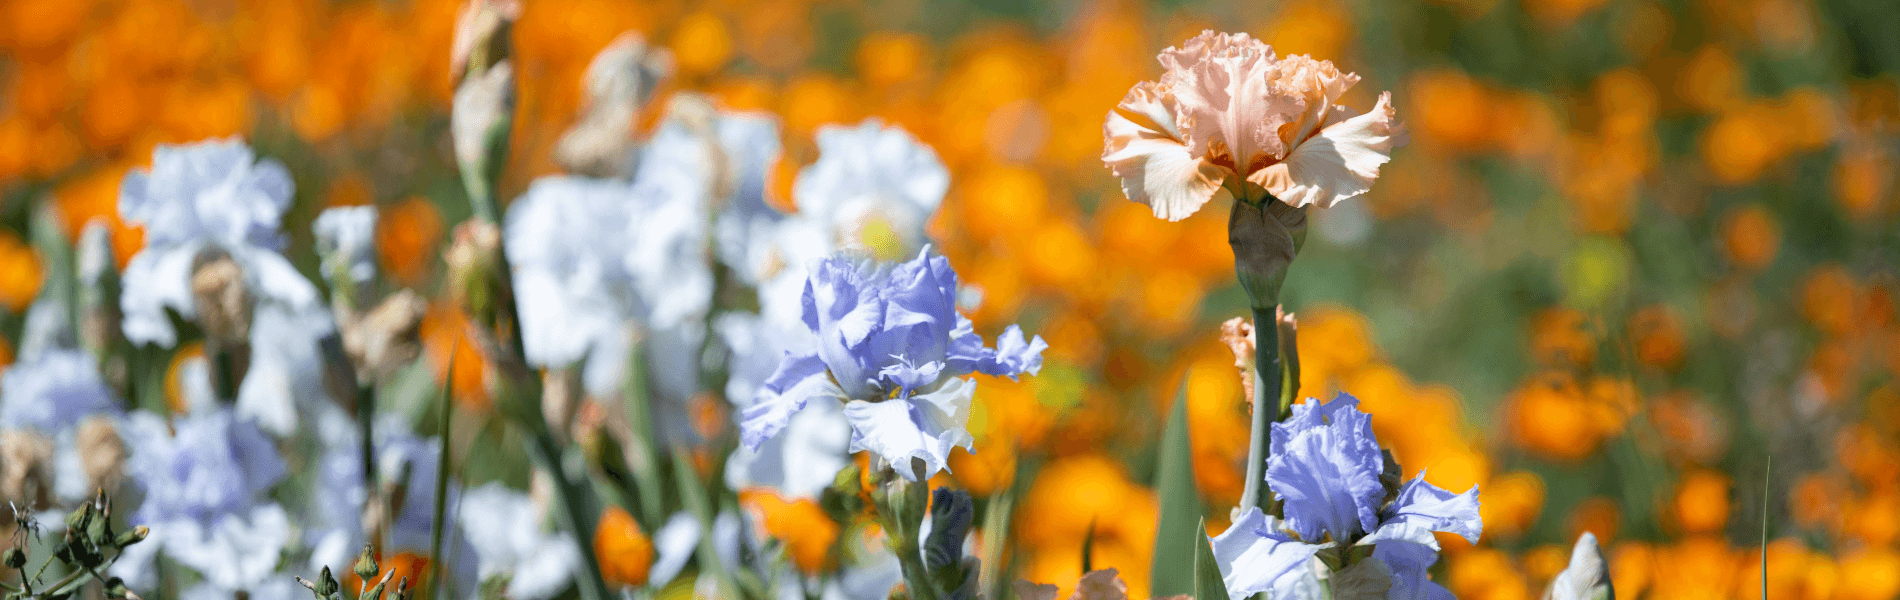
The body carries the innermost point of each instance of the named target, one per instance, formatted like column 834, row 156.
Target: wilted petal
column 1238, row 334
column 1254, row 557
column 924, row 426
column 1034, row 591
column 1144, row 147
column 1339, row 163
column 1101, row 584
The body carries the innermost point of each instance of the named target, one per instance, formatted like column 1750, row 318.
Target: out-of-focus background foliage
column 1634, row 249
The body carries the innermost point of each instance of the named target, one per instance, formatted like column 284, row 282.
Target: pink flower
column 1228, row 109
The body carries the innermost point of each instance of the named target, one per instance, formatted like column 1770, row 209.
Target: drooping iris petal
column 1325, row 463
column 1255, row 557
column 1339, row 163
column 926, row 426
column 799, row 378
column 1407, row 551
column 1144, row 147
column 1437, row 509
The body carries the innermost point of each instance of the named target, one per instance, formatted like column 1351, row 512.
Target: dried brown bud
column 561, row 399
column 388, row 338
column 102, row 452
column 221, row 298
column 619, row 83
column 481, row 36
column 26, row 468
column 474, row 264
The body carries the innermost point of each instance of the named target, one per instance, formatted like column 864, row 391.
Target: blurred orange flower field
column 1631, row 270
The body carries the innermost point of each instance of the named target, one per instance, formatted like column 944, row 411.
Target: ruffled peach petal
column 1339, row 162
column 1142, row 145
column 1224, row 84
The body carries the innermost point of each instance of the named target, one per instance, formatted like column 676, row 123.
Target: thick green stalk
column 1268, row 403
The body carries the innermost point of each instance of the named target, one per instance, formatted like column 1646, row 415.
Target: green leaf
column 1207, row 581
column 1180, row 505
column 438, row 519
column 1088, row 549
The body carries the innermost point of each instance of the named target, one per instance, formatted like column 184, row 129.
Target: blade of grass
column 1766, row 481
column 438, row 527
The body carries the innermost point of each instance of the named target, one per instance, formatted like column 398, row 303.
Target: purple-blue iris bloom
column 1324, row 466
column 891, row 346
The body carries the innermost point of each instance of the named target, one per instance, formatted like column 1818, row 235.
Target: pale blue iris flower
column 891, row 347
column 1325, row 467
column 205, row 478
column 217, row 196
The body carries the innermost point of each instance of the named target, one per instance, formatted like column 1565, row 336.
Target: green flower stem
column 1268, row 403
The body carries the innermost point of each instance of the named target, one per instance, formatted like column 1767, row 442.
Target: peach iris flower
column 1228, row 107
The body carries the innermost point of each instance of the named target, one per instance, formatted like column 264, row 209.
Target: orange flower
column 807, row 531
column 702, row 43
column 1452, row 109
column 1828, row 299
column 407, row 234
column 1702, row 501
column 20, row 272
column 1560, row 337
column 887, row 58
column 1511, row 503
column 1597, row 515
column 414, row 567
column 625, row 552
column 1549, row 416
column 1751, row 236
column 1658, row 336
column 1875, row 574
column 445, row 334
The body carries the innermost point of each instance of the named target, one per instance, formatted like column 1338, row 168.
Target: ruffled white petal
column 926, row 426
